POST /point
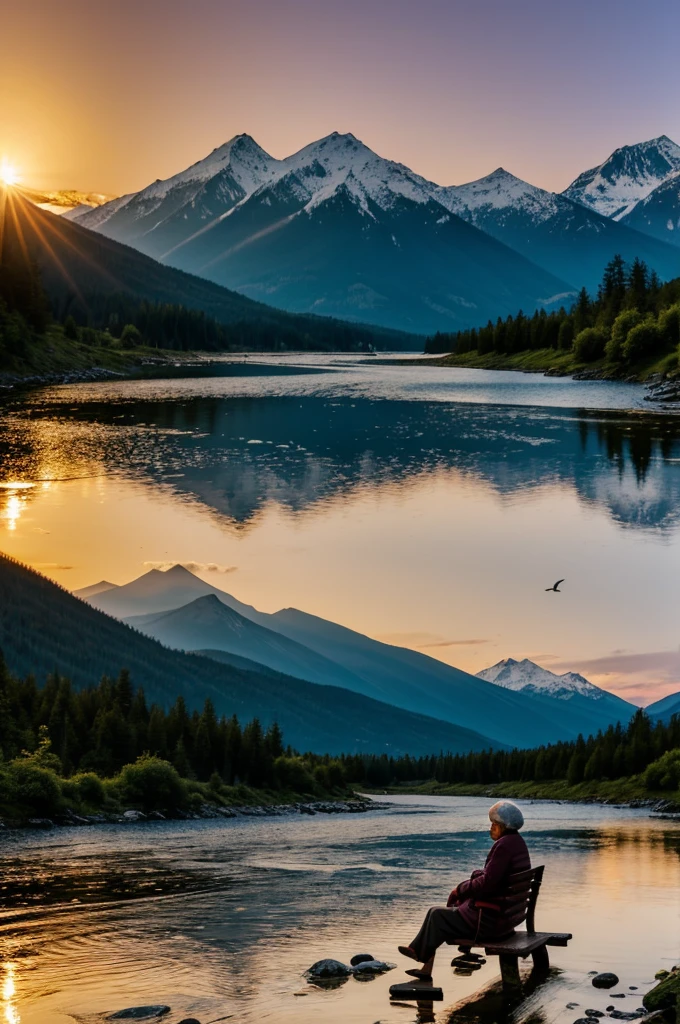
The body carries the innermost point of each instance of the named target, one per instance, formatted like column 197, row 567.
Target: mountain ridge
column 44, row 629
column 399, row 676
column 627, row 175
column 334, row 229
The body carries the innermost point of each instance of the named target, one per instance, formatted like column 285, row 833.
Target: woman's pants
column 441, row 924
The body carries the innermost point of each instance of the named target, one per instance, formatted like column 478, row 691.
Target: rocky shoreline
column 69, row 819
column 12, row 382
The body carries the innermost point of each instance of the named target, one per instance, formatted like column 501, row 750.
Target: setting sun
column 8, row 173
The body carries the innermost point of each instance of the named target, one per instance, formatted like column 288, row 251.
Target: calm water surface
column 425, row 506
column 221, row 918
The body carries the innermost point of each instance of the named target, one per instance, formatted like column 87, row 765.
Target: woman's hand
column 453, row 898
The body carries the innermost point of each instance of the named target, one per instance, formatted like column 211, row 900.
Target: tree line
column 102, row 728
column 633, row 317
column 121, row 321
column 57, row 740
column 618, row 752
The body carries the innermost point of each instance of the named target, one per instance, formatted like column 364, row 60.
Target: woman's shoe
column 407, row 951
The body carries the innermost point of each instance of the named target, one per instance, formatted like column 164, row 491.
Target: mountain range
column 44, row 629
column 339, row 230
column 79, row 267
column 333, row 229
column 527, row 677
column 182, row 611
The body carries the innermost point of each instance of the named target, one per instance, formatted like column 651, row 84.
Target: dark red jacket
column 507, row 856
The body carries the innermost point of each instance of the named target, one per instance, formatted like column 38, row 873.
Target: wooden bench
column 519, row 905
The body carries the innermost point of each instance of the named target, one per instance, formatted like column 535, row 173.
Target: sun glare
column 8, row 172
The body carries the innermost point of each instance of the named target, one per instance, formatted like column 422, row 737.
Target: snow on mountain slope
column 627, row 176
column 570, row 240
column 208, row 188
column 527, row 677
column 499, row 191
column 343, row 159
column 658, row 214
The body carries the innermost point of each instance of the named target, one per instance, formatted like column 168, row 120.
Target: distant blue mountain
column 182, row 611
column 665, row 708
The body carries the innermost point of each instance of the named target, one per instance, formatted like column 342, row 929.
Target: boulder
column 134, row 816
column 605, row 980
column 192, row 1020
column 372, row 967
column 361, row 958
column 40, row 823
column 665, row 995
column 626, row 1014
column 594, row 1013
column 328, row 969
column 140, row 1013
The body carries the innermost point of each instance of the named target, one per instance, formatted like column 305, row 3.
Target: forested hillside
column 59, row 281
column 619, row 752
column 634, row 318
column 44, row 629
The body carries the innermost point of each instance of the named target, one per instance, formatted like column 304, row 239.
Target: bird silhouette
column 555, row 587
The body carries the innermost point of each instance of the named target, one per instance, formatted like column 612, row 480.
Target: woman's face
column 496, row 830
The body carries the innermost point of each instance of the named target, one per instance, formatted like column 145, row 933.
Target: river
column 219, row 919
column 425, row 506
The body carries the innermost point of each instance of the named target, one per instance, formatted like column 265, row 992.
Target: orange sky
column 108, row 97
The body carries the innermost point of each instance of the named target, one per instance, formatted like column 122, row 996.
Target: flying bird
column 555, row 587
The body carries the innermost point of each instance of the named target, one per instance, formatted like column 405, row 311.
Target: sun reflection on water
column 10, row 1012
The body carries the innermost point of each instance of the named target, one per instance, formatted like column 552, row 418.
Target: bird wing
column 558, row 582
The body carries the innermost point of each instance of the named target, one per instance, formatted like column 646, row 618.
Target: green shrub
column 624, row 323
column 35, row 788
column 88, row 788
column 642, row 341
column 293, row 773
column 669, row 326
column 664, row 773
column 589, row 344
column 151, row 783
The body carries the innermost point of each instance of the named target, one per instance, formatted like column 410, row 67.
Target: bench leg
column 541, row 959
column 510, row 971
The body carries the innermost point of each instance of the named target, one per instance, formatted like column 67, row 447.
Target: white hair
column 506, row 813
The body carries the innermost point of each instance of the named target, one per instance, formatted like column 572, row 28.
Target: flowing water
column 425, row 506
column 219, row 920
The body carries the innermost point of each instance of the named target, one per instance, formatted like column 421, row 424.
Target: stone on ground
column 361, row 958
column 140, row 1013
column 605, row 980
column 328, row 969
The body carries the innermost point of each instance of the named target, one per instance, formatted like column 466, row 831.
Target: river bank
column 661, row 374
column 355, row 804
column 223, row 918
column 629, row 792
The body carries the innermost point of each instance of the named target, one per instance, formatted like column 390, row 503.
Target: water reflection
column 10, row 1011
column 238, row 455
column 263, row 899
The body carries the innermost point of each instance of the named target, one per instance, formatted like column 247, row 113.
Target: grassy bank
column 625, row 790
column 32, row 787
column 53, row 355
column 562, row 364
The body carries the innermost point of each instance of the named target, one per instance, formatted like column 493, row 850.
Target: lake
column 220, row 919
column 428, row 507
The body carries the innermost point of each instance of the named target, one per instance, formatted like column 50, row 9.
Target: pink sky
column 109, row 97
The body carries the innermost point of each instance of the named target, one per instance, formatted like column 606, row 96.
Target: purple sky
column 111, row 96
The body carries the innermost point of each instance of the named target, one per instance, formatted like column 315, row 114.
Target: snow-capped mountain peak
column 498, row 191
column 526, row 676
column 631, row 172
column 241, row 156
column 345, row 160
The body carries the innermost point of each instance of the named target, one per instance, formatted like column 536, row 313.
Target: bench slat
column 519, row 944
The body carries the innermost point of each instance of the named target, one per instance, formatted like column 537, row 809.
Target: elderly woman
column 471, row 911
